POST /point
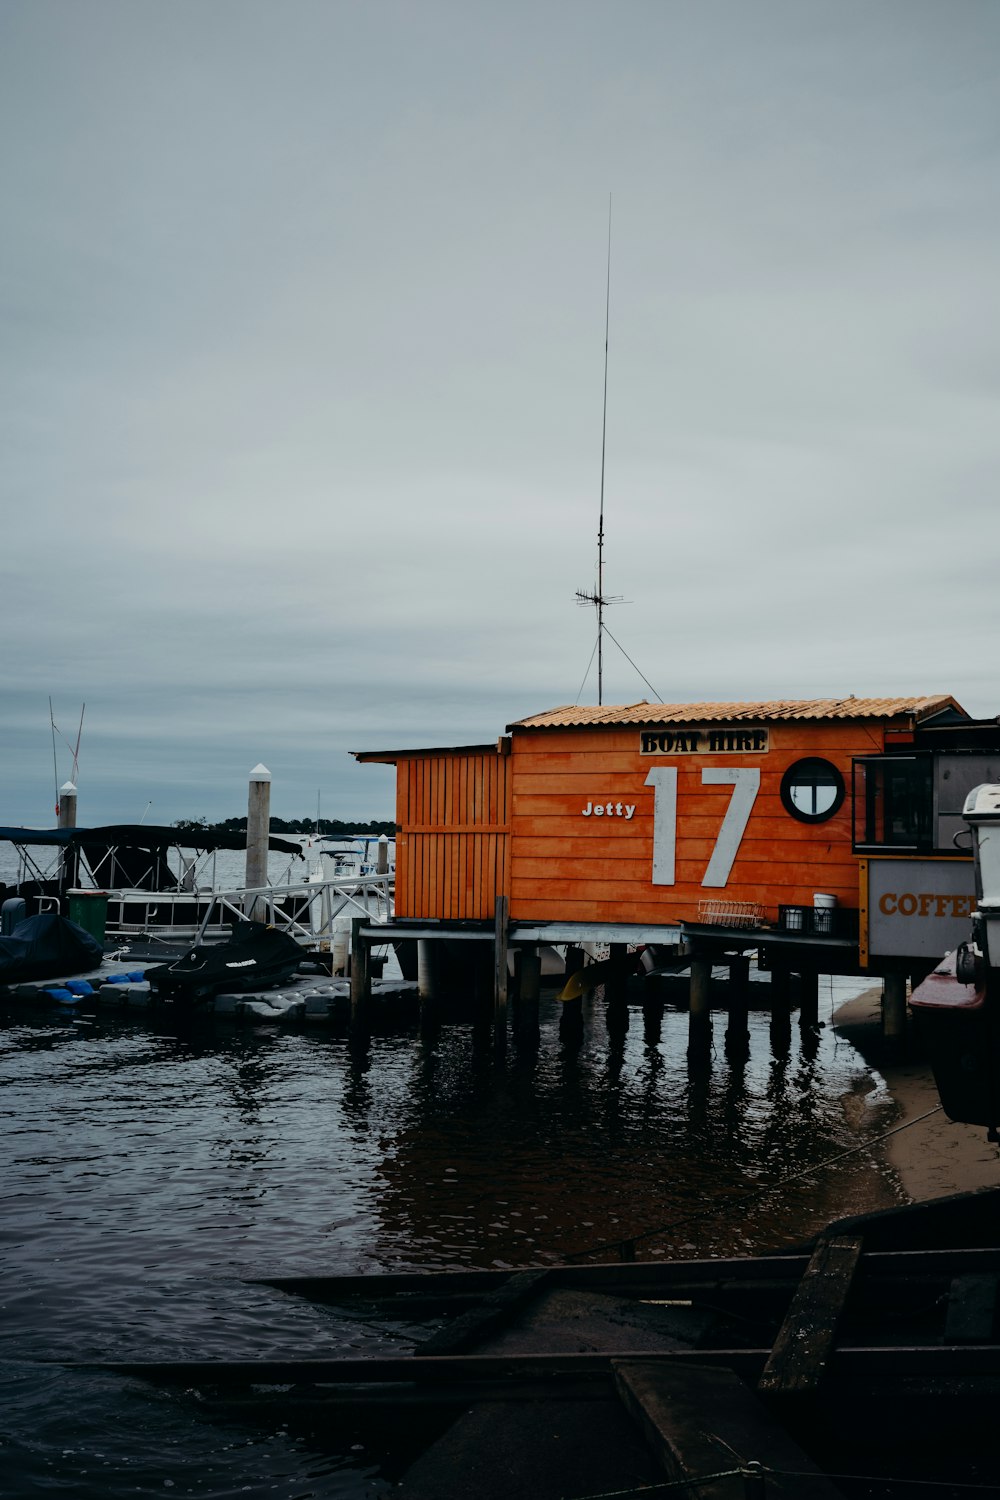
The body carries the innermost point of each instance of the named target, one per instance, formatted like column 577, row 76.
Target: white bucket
column 822, row 902
column 340, row 948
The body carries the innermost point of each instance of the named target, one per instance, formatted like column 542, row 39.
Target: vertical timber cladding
column 718, row 837
column 452, row 810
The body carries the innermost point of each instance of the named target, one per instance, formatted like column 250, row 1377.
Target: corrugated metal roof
column 581, row 715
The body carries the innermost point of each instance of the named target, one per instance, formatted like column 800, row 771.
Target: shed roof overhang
column 908, row 711
column 390, row 757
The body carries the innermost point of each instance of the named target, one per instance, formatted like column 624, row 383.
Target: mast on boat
column 73, row 749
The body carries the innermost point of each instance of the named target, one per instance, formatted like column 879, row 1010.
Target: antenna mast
column 597, row 596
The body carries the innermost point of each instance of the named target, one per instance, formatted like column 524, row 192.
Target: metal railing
column 307, row 910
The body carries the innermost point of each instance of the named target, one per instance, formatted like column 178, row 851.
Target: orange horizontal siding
column 475, row 824
column 568, row 866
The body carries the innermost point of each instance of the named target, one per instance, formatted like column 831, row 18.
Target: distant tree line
column 332, row 826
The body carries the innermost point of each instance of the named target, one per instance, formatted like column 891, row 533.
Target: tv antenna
column 596, row 596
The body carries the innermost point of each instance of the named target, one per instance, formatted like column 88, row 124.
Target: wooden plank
column 494, row 1309
column 459, row 828
column 636, row 1279
column 455, row 899
column 702, row 1421
column 612, row 1277
column 851, row 1366
column 465, row 1369
column 972, row 1309
column 805, row 1341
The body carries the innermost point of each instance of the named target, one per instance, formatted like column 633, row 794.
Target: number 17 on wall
column 745, row 782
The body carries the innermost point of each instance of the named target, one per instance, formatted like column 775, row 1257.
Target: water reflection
column 149, row 1171
column 619, row 1129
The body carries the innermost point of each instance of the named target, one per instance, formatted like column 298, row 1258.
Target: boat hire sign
column 717, row 739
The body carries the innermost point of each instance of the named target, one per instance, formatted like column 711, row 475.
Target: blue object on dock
column 79, row 987
column 117, row 979
column 65, row 997
column 136, row 976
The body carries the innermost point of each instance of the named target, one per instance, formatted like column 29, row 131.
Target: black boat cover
column 141, row 836
column 256, row 957
column 46, row 946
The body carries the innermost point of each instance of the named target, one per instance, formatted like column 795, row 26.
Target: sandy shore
column 935, row 1156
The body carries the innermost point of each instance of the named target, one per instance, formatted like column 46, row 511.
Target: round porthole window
column 812, row 790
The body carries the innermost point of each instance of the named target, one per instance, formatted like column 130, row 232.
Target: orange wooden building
column 647, row 816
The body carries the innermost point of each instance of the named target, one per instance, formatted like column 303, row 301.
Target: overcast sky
column 302, row 359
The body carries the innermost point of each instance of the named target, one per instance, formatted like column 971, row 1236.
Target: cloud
column 302, row 362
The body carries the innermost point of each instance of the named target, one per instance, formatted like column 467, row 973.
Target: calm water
column 148, row 1174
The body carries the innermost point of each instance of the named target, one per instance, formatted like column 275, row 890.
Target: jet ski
column 257, row 957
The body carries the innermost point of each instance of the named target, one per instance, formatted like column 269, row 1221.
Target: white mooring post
column 67, row 819
column 258, row 829
column 67, row 805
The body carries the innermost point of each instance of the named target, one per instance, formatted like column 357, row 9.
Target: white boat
column 137, row 882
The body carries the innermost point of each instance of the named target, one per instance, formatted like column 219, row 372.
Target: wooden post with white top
column 67, row 819
column 258, row 830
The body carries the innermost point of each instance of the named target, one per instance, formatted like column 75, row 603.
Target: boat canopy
column 139, row 836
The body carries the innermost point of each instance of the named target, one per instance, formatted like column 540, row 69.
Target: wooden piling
column 258, row 829
column 781, row 1010
column 894, row 1009
column 528, row 972
column 361, row 979
column 809, row 998
column 616, row 984
column 500, row 976
column 571, row 1024
column 67, row 805
column 652, row 1020
column 737, row 1029
column 699, row 1007
column 68, row 860
column 574, row 959
column 426, row 969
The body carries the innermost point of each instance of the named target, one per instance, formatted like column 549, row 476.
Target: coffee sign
column 717, row 740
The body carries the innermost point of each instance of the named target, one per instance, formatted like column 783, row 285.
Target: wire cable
column 658, row 696
column 759, row 1470
column 586, row 674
